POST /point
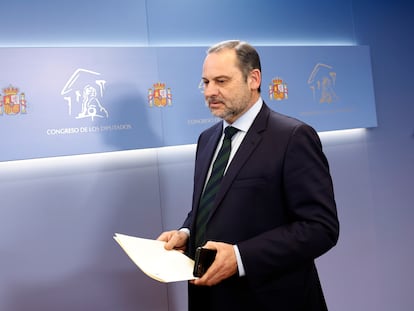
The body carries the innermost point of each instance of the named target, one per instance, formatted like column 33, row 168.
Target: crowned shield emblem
column 11, row 102
column 159, row 96
column 278, row 90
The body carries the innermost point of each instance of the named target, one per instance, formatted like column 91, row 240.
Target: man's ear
column 255, row 78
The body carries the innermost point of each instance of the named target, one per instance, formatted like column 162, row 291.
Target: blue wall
column 57, row 216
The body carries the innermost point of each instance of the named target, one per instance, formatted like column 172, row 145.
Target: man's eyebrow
column 216, row 78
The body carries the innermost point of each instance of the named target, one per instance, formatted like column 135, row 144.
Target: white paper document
column 155, row 261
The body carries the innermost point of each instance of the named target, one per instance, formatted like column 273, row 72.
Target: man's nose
column 210, row 89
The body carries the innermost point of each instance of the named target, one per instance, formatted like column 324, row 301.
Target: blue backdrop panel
column 66, row 101
column 79, row 100
column 330, row 88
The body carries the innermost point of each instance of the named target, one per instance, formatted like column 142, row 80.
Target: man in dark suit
column 274, row 211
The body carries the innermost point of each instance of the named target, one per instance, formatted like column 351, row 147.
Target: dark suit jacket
column 276, row 203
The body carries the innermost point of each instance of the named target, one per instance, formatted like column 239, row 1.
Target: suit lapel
column 247, row 147
column 205, row 157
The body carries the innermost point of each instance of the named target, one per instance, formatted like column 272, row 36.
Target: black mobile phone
column 204, row 257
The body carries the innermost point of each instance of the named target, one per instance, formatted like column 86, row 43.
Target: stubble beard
column 229, row 112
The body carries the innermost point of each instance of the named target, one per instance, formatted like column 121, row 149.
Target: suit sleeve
column 311, row 227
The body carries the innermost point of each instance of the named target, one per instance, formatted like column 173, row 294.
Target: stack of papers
column 155, row 261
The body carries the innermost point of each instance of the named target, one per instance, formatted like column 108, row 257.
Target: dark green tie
column 213, row 185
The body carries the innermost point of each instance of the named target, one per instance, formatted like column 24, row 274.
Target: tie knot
column 229, row 131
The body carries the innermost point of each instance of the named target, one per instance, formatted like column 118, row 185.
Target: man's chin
column 217, row 113
column 227, row 116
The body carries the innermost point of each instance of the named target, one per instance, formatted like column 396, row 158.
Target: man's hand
column 223, row 267
column 174, row 239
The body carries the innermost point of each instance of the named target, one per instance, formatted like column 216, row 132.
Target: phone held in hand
column 204, row 257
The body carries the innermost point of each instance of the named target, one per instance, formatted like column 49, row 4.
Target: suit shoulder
column 282, row 120
column 280, row 123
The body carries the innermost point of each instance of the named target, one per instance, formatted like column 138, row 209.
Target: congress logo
column 12, row 102
column 159, row 95
column 322, row 83
column 84, row 94
column 278, row 89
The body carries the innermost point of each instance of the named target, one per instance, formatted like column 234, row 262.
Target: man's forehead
column 218, row 64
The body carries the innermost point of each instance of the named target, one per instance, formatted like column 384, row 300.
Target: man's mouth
column 214, row 103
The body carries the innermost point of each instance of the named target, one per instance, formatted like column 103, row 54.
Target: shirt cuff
column 239, row 261
column 186, row 230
